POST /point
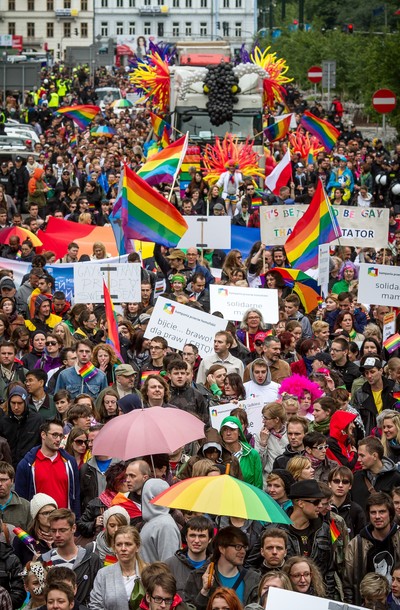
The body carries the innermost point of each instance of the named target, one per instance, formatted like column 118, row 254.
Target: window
column 30, row 30
column 188, row 29
column 225, row 28
column 131, row 3
column 67, row 3
column 226, row 3
column 188, row 3
column 119, row 28
column 11, row 28
column 84, row 5
column 175, row 30
column 203, row 3
column 203, row 29
column 175, row 3
column 11, row 5
column 120, row 3
column 238, row 29
column 50, row 30
column 238, row 3
column 84, row 30
column 31, row 5
column 67, row 30
column 160, row 29
column 104, row 29
column 132, row 28
column 147, row 28
column 104, row 3
column 50, row 6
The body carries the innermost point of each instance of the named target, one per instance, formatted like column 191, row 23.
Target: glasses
column 239, row 547
column 314, row 502
column 79, row 441
column 162, row 600
column 298, row 576
column 338, row 481
column 154, row 348
column 258, row 343
column 51, row 342
column 333, row 350
column 321, row 447
column 46, row 513
column 55, row 434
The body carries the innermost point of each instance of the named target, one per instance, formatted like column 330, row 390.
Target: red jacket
column 339, row 443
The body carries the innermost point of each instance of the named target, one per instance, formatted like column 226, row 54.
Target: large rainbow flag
column 82, row 115
column 278, row 130
column 112, row 325
column 325, row 133
column 165, row 165
column 147, row 215
column 317, row 226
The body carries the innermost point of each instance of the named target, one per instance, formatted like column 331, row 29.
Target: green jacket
column 249, row 459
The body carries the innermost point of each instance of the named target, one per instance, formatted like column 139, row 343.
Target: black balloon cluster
column 221, row 86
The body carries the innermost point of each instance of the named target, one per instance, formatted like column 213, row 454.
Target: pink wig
column 297, row 385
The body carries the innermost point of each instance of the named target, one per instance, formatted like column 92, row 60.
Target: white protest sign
column 389, row 325
column 180, row 324
column 207, row 232
column 361, row 227
column 323, row 265
column 379, row 285
column 280, row 598
column 252, row 406
column 234, row 301
column 123, row 281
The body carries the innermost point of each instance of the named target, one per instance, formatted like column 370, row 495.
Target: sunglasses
column 51, row 342
column 321, row 447
column 78, row 441
column 338, row 481
column 258, row 343
column 314, row 502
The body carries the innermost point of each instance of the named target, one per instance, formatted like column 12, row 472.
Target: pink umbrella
column 147, row 431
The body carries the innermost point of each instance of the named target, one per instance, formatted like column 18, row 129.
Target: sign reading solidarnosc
column 252, row 406
column 379, row 285
column 180, row 324
column 362, row 227
column 234, row 301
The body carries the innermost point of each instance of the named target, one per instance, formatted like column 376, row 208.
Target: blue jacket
column 25, row 485
column 71, row 381
column 360, row 319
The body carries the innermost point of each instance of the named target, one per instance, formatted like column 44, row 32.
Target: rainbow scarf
column 88, row 371
column 109, row 560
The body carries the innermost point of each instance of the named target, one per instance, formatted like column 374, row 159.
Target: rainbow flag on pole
column 317, row 226
column 159, row 125
column 165, row 165
column 82, row 115
column 147, row 215
column 112, row 325
column 164, row 140
column 278, row 130
column 392, row 343
column 325, row 133
column 335, row 533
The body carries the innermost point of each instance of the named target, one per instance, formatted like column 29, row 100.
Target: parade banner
column 234, row 301
column 210, row 232
column 180, row 324
column 252, row 406
column 280, row 598
column 123, row 282
column 361, row 227
column 379, row 285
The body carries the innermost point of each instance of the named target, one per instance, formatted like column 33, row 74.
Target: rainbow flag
column 73, row 141
column 82, row 115
column 87, row 371
column 131, row 507
column 25, row 538
column 335, row 533
column 165, row 141
column 159, row 125
column 396, row 395
column 256, row 202
column 165, row 165
column 278, row 130
column 317, row 226
column 147, row 215
column 112, row 325
column 391, row 344
column 109, row 560
column 325, row 133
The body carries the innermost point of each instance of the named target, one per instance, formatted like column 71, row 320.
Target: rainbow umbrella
column 303, row 285
column 103, row 130
column 222, row 495
column 22, row 233
column 122, row 103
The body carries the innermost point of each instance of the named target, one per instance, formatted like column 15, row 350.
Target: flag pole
column 183, row 153
column 332, row 217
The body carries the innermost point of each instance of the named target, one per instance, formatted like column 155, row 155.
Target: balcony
column 66, row 14
column 2, row 16
column 162, row 10
column 33, row 41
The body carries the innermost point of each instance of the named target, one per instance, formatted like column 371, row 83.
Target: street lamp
column 4, row 55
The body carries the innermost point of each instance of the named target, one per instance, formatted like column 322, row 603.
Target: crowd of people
column 328, row 448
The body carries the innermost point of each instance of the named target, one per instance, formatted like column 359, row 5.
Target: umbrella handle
column 210, row 575
column 227, row 469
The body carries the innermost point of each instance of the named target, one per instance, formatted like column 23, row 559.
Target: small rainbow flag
column 396, row 395
column 165, row 165
column 73, row 141
column 112, row 325
column 256, row 202
column 278, row 130
column 159, row 125
column 335, row 533
column 325, row 133
column 147, row 215
column 131, row 507
column 109, row 560
column 82, row 114
column 392, row 343
column 317, row 226
column 87, row 371
column 165, row 141
column 24, row 536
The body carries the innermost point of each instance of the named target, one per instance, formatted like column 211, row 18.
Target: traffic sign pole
column 384, row 101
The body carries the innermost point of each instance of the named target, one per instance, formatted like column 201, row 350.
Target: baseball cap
column 230, row 424
column 177, row 254
column 126, row 370
column 370, row 362
column 260, row 336
column 6, row 282
column 4, row 164
column 18, row 158
column 218, row 206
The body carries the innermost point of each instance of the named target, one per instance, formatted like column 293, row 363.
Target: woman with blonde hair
column 62, row 330
column 272, row 439
column 389, row 421
column 300, row 468
column 233, row 261
column 305, row 576
column 273, row 578
column 392, row 370
column 99, row 251
column 205, row 468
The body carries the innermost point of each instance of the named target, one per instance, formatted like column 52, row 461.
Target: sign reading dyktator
column 361, row 227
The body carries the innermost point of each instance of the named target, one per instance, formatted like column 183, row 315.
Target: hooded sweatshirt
column 339, row 443
column 160, row 535
column 249, row 459
column 36, row 188
column 268, row 390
